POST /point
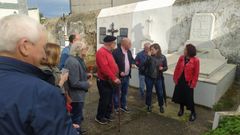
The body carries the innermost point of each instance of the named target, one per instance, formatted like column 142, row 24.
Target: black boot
column 149, row 109
column 161, row 109
column 192, row 116
column 181, row 111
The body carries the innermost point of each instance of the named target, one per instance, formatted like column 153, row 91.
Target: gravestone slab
column 202, row 27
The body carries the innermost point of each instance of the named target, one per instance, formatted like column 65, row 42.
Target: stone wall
column 85, row 24
column 83, row 6
column 227, row 26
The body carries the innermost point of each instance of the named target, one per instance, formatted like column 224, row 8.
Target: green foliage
column 228, row 126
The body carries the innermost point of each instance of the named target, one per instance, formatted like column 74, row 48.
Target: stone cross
column 149, row 21
column 112, row 30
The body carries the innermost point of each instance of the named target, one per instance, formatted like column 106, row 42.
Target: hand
column 63, row 79
column 90, row 76
column 117, row 81
column 122, row 74
column 76, row 126
column 160, row 68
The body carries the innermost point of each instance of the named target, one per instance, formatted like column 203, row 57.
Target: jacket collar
column 104, row 48
column 11, row 64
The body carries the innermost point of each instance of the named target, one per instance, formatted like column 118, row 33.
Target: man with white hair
column 29, row 105
column 78, row 82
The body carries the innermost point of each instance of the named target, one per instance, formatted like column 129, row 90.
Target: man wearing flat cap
column 107, row 78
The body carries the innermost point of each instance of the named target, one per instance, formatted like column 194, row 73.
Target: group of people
column 43, row 89
column 114, row 71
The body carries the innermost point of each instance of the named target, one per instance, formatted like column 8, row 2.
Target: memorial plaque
column 202, row 27
column 124, row 32
column 102, row 32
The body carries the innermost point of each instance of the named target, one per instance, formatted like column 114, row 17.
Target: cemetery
column 213, row 26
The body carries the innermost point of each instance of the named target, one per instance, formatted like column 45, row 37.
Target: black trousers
column 105, row 101
column 77, row 112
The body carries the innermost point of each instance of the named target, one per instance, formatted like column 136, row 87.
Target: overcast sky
column 50, row 8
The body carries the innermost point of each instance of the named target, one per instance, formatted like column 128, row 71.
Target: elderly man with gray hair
column 29, row 105
column 140, row 60
column 78, row 82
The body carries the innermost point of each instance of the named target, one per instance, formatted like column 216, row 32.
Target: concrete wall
column 8, row 7
column 34, row 13
column 227, row 26
column 83, row 6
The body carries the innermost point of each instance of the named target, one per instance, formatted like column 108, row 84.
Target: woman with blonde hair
column 50, row 63
column 78, row 81
column 56, row 77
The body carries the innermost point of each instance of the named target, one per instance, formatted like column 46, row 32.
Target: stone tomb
column 216, row 76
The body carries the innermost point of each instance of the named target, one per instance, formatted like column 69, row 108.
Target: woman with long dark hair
column 185, row 77
column 155, row 65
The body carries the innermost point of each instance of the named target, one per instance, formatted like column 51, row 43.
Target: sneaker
column 116, row 111
column 110, row 119
column 125, row 110
column 161, row 109
column 101, row 121
column 81, row 131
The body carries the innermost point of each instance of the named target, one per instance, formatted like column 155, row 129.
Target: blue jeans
column 123, row 92
column 141, row 84
column 77, row 112
column 150, row 82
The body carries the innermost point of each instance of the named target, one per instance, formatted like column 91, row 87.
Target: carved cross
column 112, row 30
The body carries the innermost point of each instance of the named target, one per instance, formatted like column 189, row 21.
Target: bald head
column 126, row 43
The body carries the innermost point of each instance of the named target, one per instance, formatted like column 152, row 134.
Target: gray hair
column 77, row 48
column 15, row 27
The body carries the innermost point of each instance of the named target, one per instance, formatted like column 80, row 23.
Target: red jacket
column 107, row 67
column 191, row 71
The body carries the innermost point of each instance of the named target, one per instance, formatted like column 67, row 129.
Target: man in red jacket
column 107, row 78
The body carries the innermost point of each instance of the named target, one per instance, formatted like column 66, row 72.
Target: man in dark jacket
column 29, row 105
column 140, row 60
column 65, row 52
column 124, row 60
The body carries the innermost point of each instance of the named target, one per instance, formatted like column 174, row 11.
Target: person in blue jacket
column 140, row 60
column 65, row 52
column 29, row 104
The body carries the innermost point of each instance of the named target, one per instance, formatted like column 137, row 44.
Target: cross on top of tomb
column 112, row 30
column 149, row 21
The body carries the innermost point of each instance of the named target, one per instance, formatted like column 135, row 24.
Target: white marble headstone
column 202, row 27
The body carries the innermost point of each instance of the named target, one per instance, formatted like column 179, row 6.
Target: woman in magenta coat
column 185, row 77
